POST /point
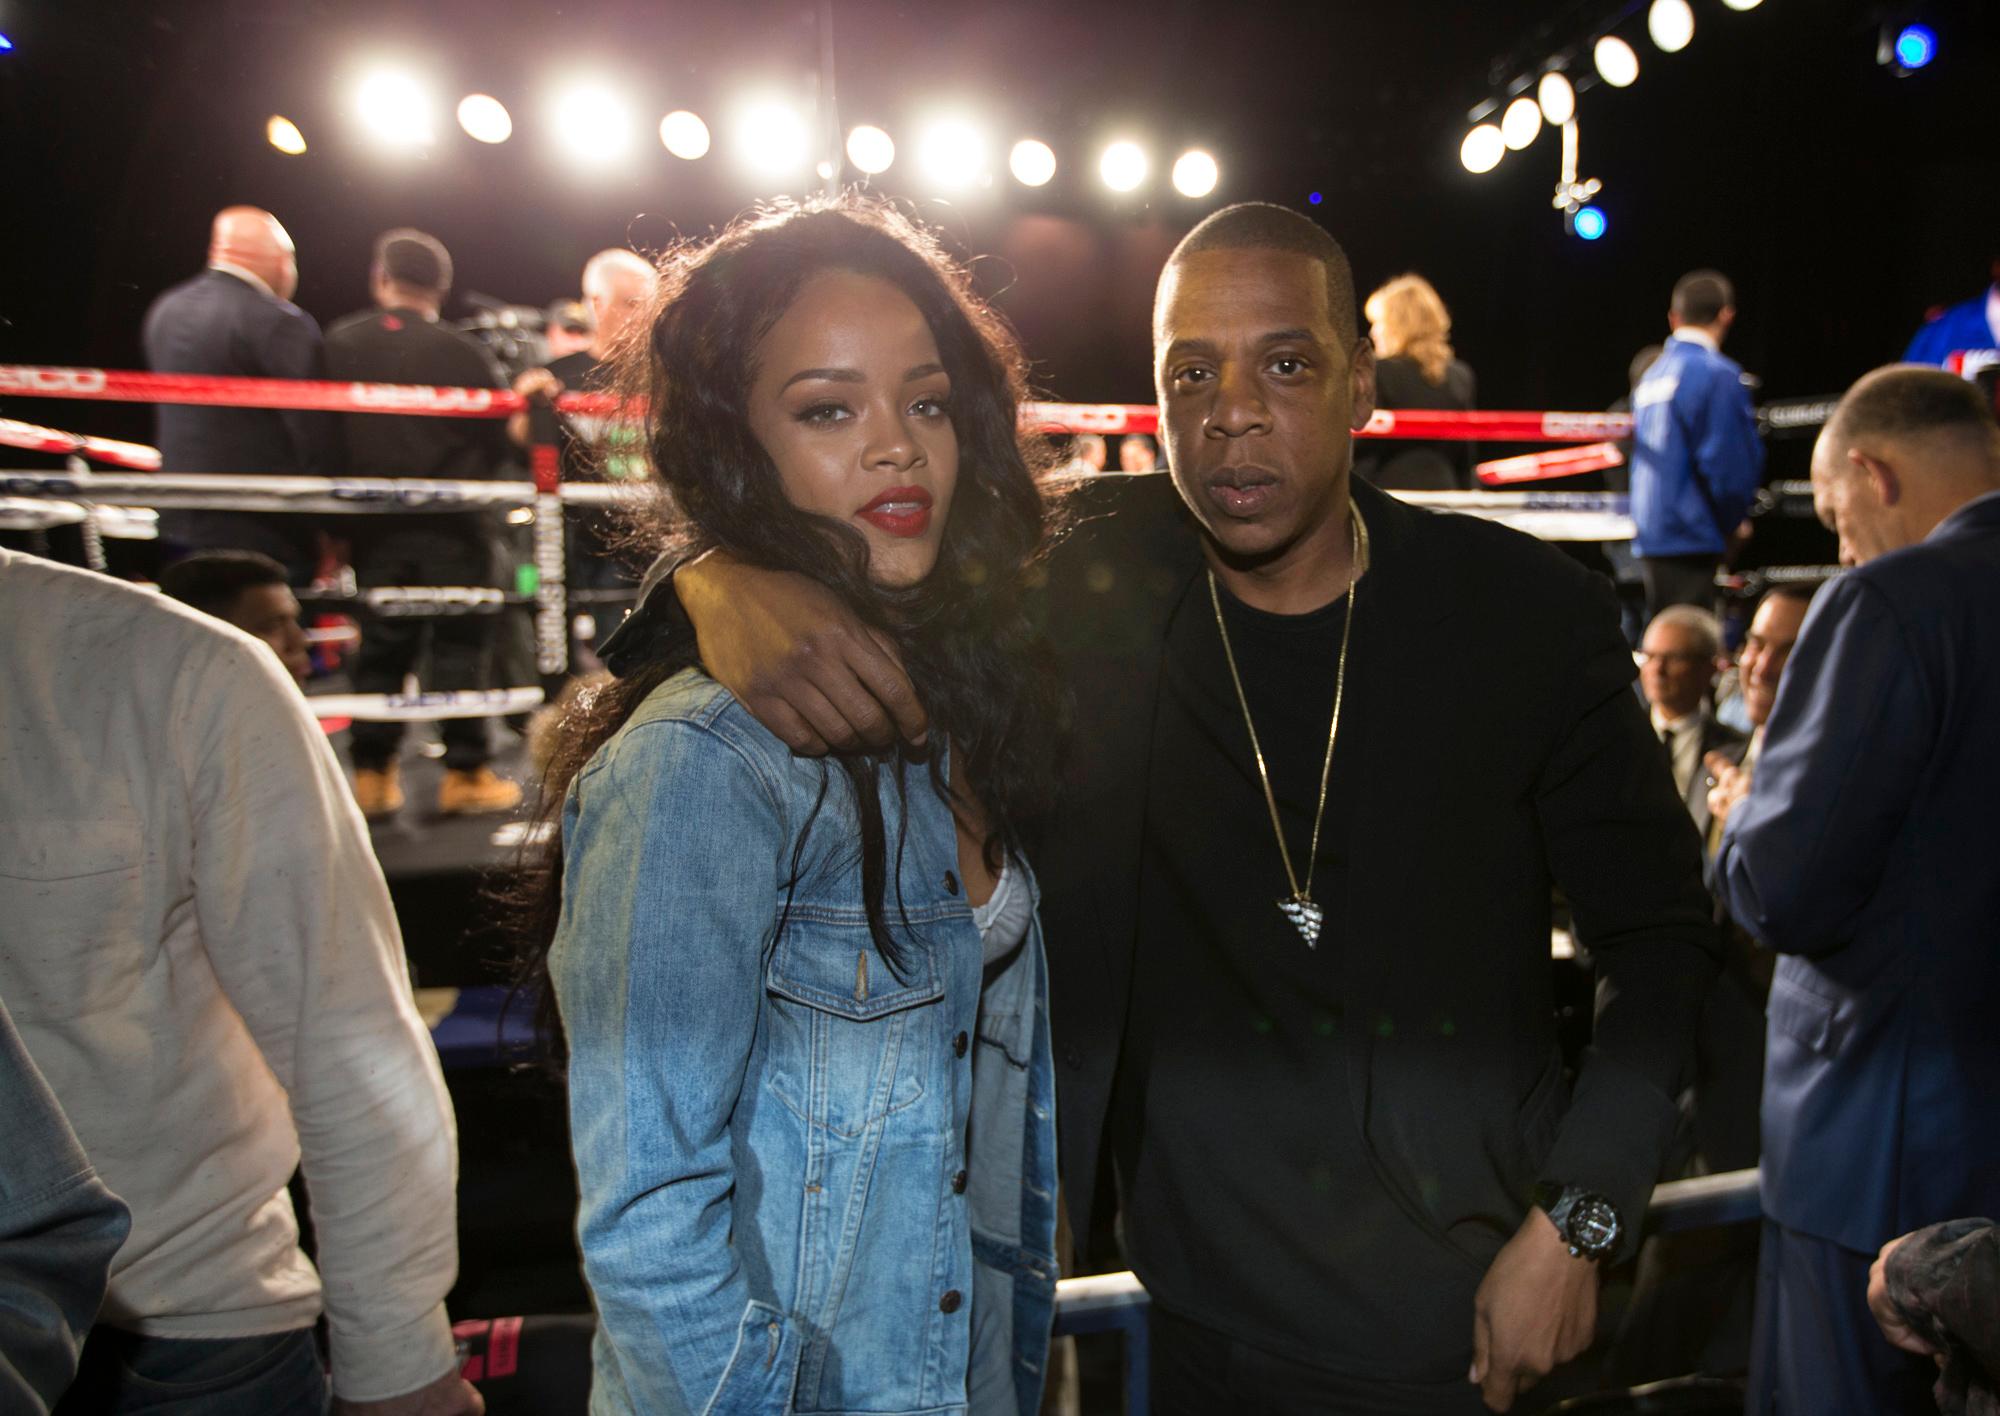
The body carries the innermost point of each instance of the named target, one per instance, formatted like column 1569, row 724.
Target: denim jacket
column 810, row 1182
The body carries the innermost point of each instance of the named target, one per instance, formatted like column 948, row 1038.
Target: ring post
column 551, row 589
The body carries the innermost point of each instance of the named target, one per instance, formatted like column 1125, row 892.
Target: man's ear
column 1881, row 475
column 1361, row 370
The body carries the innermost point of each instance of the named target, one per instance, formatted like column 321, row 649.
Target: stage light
column 284, row 135
column 1482, row 149
column 485, row 118
column 774, row 140
column 1671, row 24
column 1123, row 166
column 395, row 110
column 1616, row 64
column 951, row 154
column 1520, row 123
column 1195, row 173
column 1916, row 46
column 684, row 135
column 592, row 124
column 5, row 44
column 1557, row 98
column 1315, row 198
column 1589, row 222
column 1742, row 4
column 870, row 150
column 1033, row 162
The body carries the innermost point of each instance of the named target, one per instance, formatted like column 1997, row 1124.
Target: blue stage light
column 1916, row 46
column 5, row 44
column 1590, row 223
column 1315, row 198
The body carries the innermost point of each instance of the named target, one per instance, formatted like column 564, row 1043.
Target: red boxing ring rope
column 425, row 400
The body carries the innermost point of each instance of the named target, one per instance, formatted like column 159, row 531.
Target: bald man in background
column 236, row 319
column 1863, row 856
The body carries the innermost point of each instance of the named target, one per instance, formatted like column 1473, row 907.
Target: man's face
column 1773, row 631
column 623, row 301
column 1673, row 671
column 271, row 613
column 1849, row 503
column 1259, row 397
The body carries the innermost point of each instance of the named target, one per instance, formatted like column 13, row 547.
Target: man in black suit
column 401, row 341
column 237, row 318
column 1863, row 855
column 1679, row 657
column 1351, row 1169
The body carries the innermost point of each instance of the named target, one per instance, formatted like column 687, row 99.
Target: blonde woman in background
column 1416, row 368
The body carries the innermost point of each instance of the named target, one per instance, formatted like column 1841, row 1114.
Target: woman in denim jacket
column 811, row 1095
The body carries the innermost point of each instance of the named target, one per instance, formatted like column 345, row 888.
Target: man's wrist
column 1589, row 1225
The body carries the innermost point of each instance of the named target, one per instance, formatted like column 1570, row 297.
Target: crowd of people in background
column 1784, row 888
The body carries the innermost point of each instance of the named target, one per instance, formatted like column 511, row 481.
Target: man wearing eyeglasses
column 1678, row 660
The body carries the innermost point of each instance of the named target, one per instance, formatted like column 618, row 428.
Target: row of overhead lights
column 595, row 127
column 1671, row 25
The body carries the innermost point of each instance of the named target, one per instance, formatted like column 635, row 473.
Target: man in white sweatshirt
column 200, row 955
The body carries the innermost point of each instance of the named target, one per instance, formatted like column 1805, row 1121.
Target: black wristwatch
column 1588, row 1223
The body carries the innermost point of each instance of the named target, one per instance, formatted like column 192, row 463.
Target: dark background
column 1843, row 200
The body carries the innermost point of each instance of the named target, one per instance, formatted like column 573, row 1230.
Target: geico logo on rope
column 458, row 400
column 26, row 378
column 1087, row 417
column 27, row 484
column 358, row 489
column 1588, row 425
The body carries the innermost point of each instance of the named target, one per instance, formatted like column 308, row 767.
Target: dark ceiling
column 1843, row 200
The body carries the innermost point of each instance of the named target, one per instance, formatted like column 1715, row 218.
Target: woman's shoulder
column 703, row 720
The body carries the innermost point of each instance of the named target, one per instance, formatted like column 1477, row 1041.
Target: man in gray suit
column 1678, row 660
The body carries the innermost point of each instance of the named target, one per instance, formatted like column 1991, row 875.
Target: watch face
column 1593, row 1225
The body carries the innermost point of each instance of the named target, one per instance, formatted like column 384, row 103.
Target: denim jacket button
column 959, row 1044
column 950, row 883
column 958, row 1183
column 950, row 1302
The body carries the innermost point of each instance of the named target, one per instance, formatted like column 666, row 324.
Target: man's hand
column 533, row 383
column 449, row 1395
column 1888, row 1316
column 798, row 658
column 1732, row 784
column 1535, row 1309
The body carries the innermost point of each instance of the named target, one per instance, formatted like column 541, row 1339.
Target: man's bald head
column 253, row 239
column 1265, row 226
column 1907, row 446
column 617, row 284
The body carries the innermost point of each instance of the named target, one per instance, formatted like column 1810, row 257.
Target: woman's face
column 853, row 405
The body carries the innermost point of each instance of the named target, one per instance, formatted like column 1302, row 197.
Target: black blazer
column 1456, row 1077
column 1412, row 465
column 217, row 323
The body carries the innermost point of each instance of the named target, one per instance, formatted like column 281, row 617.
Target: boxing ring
column 122, row 503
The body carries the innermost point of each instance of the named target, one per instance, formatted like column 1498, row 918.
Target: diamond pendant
column 1306, row 915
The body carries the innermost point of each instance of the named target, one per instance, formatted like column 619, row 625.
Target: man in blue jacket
column 1696, row 460
column 1864, row 856
column 1965, row 337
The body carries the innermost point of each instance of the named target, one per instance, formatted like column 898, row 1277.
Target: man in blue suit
column 1864, row 856
column 1696, row 458
column 237, row 318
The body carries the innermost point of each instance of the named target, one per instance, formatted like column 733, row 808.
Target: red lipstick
column 901, row 511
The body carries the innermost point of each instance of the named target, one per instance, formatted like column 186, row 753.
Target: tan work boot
column 378, row 791
column 479, row 789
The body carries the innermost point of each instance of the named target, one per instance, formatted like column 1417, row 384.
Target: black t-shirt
column 404, row 346
column 1249, row 1202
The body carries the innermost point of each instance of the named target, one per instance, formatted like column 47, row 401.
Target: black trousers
column 1678, row 580
column 1197, row 1371
column 453, row 551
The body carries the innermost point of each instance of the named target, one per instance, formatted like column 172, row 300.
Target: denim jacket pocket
column 847, row 1032
column 759, row 1378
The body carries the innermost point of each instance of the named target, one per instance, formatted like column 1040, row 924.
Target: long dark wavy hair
column 962, row 632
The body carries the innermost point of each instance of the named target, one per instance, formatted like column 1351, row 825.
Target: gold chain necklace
column 1301, row 909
